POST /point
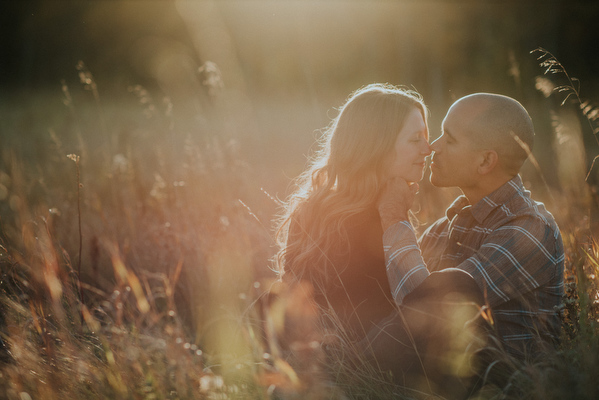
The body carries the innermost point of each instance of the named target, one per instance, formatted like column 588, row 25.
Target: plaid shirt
column 511, row 246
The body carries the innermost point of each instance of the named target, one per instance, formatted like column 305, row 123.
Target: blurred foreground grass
column 169, row 234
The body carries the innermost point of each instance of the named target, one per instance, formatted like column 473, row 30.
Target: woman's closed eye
column 417, row 139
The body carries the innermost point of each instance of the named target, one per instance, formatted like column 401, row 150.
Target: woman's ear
column 488, row 162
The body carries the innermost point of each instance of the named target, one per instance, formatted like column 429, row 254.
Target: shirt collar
column 483, row 208
column 456, row 207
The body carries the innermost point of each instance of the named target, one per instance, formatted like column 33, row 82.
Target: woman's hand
column 395, row 201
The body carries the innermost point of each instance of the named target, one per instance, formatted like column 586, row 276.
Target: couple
column 346, row 230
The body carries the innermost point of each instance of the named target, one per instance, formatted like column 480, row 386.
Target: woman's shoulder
column 364, row 232
column 366, row 217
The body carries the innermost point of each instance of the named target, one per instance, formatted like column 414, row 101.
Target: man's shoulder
column 523, row 206
column 531, row 216
column 514, row 200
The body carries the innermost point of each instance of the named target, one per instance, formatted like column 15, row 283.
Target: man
column 508, row 244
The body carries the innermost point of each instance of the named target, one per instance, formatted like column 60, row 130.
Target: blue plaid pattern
column 511, row 246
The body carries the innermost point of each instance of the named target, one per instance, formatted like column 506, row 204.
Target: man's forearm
column 405, row 266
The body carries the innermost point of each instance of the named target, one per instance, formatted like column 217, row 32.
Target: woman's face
column 411, row 149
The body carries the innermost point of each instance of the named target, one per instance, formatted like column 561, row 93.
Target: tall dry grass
column 138, row 268
column 130, row 262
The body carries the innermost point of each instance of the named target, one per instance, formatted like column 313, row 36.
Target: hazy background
column 282, row 68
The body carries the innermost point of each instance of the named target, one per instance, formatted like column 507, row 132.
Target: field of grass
column 135, row 259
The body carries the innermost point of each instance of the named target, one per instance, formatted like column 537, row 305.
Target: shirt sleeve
column 513, row 259
column 405, row 266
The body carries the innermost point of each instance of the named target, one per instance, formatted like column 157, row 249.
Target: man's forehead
column 470, row 105
column 464, row 111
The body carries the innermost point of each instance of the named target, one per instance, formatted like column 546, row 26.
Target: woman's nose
column 426, row 149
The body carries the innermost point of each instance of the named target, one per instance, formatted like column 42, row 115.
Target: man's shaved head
column 500, row 123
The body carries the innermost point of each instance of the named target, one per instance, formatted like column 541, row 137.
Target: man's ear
column 489, row 159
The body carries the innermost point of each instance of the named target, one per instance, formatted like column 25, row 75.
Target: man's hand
column 395, row 201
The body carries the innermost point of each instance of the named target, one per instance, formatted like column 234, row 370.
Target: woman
column 330, row 233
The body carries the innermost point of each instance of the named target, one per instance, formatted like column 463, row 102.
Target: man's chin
column 435, row 181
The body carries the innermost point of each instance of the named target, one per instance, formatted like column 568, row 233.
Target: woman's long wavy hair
column 343, row 178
